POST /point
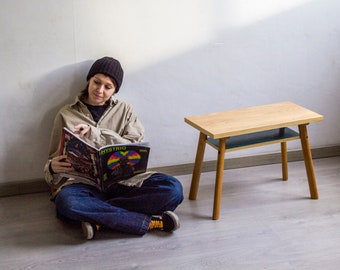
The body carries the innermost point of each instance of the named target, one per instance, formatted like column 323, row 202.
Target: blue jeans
column 122, row 208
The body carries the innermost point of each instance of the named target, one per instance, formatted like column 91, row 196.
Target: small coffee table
column 250, row 127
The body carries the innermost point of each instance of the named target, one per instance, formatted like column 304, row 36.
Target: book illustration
column 122, row 163
column 81, row 155
column 122, row 158
column 106, row 165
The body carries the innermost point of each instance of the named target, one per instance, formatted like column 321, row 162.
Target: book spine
column 62, row 143
column 100, row 171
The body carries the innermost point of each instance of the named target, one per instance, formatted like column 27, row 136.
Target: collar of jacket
column 112, row 101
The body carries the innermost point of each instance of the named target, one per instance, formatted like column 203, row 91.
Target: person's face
column 100, row 89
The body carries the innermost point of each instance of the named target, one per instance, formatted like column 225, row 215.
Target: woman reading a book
column 135, row 205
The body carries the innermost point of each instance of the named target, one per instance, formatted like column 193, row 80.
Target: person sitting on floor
column 141, row 203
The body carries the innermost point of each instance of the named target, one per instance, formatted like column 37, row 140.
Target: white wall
column 181, row 58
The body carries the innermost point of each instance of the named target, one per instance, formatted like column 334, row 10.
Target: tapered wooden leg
column 307, row 155
column 197, row 167
column 284, row 158
column 219, row 179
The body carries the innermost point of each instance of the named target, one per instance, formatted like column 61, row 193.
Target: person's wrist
column 50, row 168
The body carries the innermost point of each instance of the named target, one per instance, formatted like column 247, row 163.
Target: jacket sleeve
column 52, row 179
column 132, row 131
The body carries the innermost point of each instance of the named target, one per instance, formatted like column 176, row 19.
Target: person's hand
column 83, row 130
column 60, row 164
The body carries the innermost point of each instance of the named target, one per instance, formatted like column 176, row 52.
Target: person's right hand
column 83, row 130
column 60, row 164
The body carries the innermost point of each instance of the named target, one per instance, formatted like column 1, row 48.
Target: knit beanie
column 109, row 67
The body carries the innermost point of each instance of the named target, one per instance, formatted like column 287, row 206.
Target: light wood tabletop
column 252, row 119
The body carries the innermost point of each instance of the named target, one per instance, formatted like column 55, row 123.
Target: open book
column 106, row 165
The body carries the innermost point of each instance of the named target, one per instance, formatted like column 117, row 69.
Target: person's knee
column 178, row 191
column 68, row 198
column 64, row 201
column 175, row 190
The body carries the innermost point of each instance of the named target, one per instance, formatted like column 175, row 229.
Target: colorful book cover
column 106, row 165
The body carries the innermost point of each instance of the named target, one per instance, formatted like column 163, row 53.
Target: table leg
column 219, row 178
column 284, row 157
column 197, row 167
column 307, row 154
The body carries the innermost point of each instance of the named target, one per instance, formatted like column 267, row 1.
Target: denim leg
column 85, row 203
column 159, row 193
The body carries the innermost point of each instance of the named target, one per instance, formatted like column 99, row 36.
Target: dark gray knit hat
column 109, row 67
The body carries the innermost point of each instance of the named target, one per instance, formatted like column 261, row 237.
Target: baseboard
column 39, row 185
column 250, row 161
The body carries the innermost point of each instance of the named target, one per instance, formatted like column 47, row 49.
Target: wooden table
column 249, row 127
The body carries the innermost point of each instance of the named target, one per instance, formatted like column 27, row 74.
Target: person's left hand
column 83, row 130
